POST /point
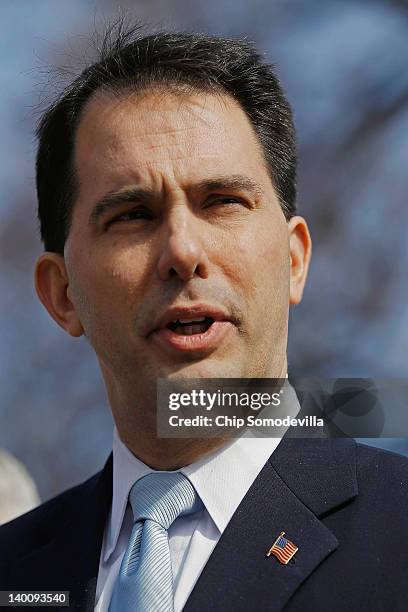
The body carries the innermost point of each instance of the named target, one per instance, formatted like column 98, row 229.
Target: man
column 18, row 491
column 166, row 186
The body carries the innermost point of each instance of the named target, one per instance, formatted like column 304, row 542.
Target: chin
column 207, row 368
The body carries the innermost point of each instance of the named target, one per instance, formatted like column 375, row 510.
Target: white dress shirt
column 221, row 479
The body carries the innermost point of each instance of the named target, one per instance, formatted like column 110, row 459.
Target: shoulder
column 37, row 527
column 379, row 461
column 382, row 473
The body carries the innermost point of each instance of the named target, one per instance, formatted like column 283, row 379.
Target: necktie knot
column 162, row 497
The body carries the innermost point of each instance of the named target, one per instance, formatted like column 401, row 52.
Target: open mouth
column 189, row 327
column 192, row 330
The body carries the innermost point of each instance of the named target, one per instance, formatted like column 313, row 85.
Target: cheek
column 262, row 262
column 109, row 289
column 116, row 272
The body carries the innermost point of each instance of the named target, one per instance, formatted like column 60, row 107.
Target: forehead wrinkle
column 103, row 112
column 119, row 152
column 178, row 143
column 109, row 115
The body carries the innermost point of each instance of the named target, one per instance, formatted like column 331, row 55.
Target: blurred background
column 343, row 65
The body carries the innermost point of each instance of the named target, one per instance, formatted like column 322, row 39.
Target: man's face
column 203, row 227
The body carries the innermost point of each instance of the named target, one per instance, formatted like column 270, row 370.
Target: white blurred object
column 18, row 492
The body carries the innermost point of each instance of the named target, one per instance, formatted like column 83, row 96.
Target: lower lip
column 205, row 341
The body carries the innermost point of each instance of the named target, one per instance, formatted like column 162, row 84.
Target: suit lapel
column 70, row 561
column 304, row 480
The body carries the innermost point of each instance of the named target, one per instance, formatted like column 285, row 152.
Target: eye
column 134, row 214
column 227, row 200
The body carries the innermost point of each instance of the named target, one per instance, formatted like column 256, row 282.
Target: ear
column 300, row 246
column 52, row 283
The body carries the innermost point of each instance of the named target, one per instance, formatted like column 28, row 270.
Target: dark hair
column 184, row 61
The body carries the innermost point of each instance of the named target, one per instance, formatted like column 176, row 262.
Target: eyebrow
column 133, row 195
column 114, row 199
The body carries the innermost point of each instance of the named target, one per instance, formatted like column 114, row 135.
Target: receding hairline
column 122, row 93
column 129, row 59
column 138, row 93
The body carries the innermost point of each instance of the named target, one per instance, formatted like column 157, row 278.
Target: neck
column 135, row 419
column 172, row 454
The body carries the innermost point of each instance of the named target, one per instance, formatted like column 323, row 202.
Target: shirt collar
column 232, row 467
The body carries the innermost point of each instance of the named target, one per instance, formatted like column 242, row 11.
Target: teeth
column 191, row 320
column 189, row 330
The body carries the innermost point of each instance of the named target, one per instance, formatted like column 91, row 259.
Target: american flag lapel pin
column 283, row 549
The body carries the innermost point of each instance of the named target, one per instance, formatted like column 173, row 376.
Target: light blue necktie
column 145, row 580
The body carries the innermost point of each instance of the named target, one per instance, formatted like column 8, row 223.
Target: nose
column 183, row 253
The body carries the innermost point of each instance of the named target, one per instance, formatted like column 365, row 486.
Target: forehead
column 146, row 137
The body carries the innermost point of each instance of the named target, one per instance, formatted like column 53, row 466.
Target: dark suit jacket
column 345, row 506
